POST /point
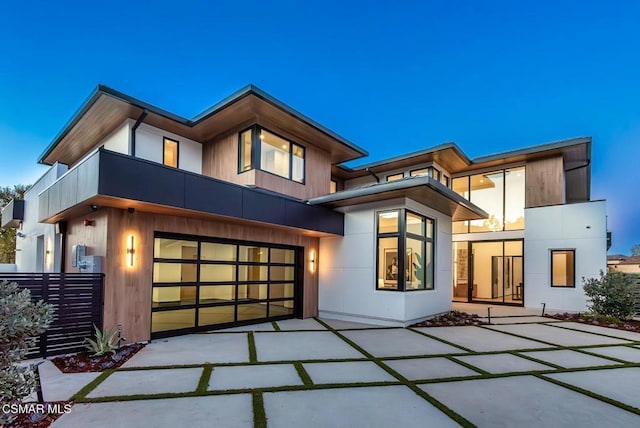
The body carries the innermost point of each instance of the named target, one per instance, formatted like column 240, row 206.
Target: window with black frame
column 402, row 232
column 261, row 149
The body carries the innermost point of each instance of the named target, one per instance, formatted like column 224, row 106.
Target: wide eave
column 422, row 189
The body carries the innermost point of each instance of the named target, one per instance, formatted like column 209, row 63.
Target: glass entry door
column 489, row 271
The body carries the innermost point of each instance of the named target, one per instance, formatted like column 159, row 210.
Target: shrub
column 105, row 342
column 21, row 320
column 613, row 294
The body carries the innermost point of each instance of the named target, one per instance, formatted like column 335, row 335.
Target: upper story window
column 432, row 172
column 500, row 193
column 402, row 232
column 333, row 186
column 170, row 152
column 395, row 177
column 264, row 150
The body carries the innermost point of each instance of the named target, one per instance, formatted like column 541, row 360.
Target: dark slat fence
column 78, row 301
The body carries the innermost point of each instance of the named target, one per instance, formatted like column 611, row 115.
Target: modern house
column 624, row 264
column 247, row 213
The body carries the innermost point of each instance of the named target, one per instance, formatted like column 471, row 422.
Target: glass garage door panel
column 200, row 283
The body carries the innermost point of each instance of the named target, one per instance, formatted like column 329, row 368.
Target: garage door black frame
column 298, row 285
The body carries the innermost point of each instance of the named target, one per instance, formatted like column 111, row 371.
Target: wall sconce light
column 131, row 250
column 312, row 260
column 88, row 222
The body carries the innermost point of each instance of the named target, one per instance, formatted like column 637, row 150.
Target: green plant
column 418, row 269
column 106, row 341
column 21, row 320
column 612, row 294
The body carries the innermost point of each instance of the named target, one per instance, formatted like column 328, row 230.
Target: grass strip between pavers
column 535, row 360
column 591, row 394
column 467, row 365
column 597, row 334
column 253, row 355
column 203, row 384
column 259, row 415
column 439, row 339
column 275, row 325
column 404, row 381
column 304, row 376
column 80, row 395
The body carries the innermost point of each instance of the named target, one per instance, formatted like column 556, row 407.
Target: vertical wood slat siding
column 127, row 291
column 220, row 160
column 545, row 182
column 77, row 299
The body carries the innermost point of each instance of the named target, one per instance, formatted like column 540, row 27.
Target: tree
column 635, row 250
column 611, row 295
column 8, row 236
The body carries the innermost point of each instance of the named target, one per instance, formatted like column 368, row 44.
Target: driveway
column 521, row 371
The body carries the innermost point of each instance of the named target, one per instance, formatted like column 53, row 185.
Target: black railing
column 77, row 299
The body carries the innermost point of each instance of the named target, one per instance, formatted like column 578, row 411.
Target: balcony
column 12, row 214
column 112, row 179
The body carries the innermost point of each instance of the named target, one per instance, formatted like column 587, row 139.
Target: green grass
column 304, row 376
column 203, row 384
column 253, row 355
column 259, row 415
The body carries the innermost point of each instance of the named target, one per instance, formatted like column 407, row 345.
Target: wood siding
column 544, row 182
column 127, row 296
column 220, row 160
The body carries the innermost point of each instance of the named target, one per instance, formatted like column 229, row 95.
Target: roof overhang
column 448, row 155
column 422, row 189
column 106, row 108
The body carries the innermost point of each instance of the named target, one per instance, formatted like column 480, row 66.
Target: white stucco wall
column 118, row 140
column 347, row 276
column 582, row 227
column 27, row 256
column 149, row 142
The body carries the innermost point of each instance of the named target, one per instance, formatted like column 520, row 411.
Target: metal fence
column 77, row 299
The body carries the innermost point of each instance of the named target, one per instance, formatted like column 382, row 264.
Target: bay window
column 405, row 251
column 267, row 151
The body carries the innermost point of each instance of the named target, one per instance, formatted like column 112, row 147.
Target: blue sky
column 490, row 75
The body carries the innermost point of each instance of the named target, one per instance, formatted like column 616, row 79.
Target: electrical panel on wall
column 77, row 253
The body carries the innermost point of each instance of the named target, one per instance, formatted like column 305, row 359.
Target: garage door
column 203, row 283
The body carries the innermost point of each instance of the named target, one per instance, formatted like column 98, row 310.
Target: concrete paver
column 263, row 376
column 58, row 386
column 213, row 411
column 294, row 345
column 265, row 326
column 625, row 353
column 623, row 334
column 345, row 325
column 502, row 363
column 569, row 359
column 520, row 320
column 398, row 342
column 382, row 406
column 193, row 349
column 557, row 336
column 618, row 384
column 347, row 372
column 148, row 382
column 297, row 324
column 526, row 401
column 429, row 368
column 480, row 339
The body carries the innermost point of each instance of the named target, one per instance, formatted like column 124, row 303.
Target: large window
column 264, row 150
column 170, row 152
column 202, row 282
column 405, row 251
column 563, row 268
column 500, row 193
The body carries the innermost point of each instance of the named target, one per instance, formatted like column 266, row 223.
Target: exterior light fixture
column 312, row 261
column 131, row 250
